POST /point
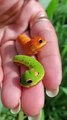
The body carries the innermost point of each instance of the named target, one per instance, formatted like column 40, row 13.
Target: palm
column 12, row 93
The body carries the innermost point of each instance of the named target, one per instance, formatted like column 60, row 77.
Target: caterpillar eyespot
column 29, row 81
column 40, row 41
column 36, row 73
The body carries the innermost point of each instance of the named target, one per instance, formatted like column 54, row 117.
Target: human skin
column 23, row 18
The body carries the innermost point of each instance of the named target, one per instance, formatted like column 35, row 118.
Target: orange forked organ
column 31, row 46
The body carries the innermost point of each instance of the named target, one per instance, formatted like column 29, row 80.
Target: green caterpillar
column 35, row 73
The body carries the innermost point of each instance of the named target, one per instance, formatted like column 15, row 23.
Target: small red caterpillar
column 31, row 46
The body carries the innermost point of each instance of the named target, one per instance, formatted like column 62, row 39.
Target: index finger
column 49, row 55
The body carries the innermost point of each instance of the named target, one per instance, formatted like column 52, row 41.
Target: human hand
column 26, row 18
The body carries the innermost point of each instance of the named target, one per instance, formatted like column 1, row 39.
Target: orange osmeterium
column 31, row 46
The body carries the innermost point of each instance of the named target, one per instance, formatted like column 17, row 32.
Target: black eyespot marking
column 38, row 73
column 40, row 41
column 29, row 81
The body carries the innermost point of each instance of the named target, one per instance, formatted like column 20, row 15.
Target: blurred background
column 56, row 109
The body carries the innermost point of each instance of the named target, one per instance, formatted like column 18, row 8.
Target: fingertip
column 52, row 93
column 33, row 100
column 16, row 109
column 53, row 70
column 11, row 93
column 53, row 74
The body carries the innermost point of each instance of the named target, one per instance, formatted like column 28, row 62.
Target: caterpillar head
column 29, row 78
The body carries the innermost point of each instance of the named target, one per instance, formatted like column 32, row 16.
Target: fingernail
column 52, row 93
column 16, row 110
column 37, row 117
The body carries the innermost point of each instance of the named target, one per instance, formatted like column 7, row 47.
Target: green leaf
column 51, row 8
column 64, row 52
column 21, row 116
column 45, row 3
column 42, row 115
column 1, row 105
column 64, row 89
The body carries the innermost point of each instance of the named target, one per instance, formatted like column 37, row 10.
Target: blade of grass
column 64, row 90
column 51, row 8
column 45, row 3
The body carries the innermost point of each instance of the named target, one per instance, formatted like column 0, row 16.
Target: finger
column 9, row 11
column 26, row 13
column 11, row 91
column 27, row 102
column 37, row 117
column 1, row 73
column 49, row 56
column 33, row 99
column 19, row 48
column 7, row 7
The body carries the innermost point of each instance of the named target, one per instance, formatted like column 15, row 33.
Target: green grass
column 55, row 108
